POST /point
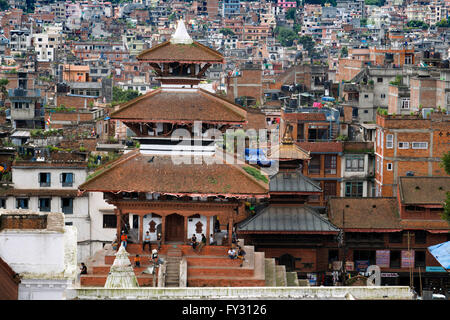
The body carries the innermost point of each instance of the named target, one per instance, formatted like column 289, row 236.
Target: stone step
column 281, row 276
column 219, row 261
column 224, row 282
column 270, row 272
column 292, row 279
column 216, row 271
column 100, row 280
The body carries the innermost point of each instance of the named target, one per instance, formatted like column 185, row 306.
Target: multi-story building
column 357, row 170
column 51, row 186
column 231, row 8
column 409, row 145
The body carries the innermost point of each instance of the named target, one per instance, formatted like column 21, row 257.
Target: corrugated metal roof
column 292, row 181
column 21, row 134
column 289, row 218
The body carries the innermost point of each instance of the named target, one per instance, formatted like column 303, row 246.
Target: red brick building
column 409, row 145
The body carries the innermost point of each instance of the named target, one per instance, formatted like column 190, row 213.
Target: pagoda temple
column 150, row 191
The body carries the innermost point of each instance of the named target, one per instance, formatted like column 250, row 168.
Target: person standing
column 124, row 239
column 146, row 241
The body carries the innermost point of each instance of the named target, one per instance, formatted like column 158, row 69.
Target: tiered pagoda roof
column 135, row 172
column 184, row 106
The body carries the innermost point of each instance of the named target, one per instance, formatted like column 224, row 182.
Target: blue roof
column 442, row 253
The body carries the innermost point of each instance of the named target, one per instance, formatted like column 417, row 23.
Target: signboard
column 361, row 265
column 389, row 275
column 383, row 258
column 349, row 266
column 407, row 258
column 435, row 269
column 337, row 265
column 312, row 278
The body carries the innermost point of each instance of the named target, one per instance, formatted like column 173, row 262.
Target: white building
column 41, row 250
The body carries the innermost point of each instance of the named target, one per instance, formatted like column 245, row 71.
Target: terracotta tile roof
column 166, row 106
column 134, row 172
column 319, row 147
column 364, row 213
column 423, row 190
column 190, row 53
column 425, row 224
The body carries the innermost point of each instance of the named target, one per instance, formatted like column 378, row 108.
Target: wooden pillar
column 141, row 228
column 230, row 230
column 208, row 219
column 118, row 224
column 163, row 229
column 186, row 235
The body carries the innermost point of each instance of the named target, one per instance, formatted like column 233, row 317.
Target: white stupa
column 181, row 35
column 121, row 274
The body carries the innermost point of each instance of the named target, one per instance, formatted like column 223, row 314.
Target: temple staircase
column 174, row 255
column 187, row 267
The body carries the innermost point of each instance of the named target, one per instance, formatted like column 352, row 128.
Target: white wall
column 29, row 178
column 33, row 251
column 146, row 227
column 97, row 208
column 192, row 227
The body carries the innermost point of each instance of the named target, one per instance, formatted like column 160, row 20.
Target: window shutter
column 61, row 177
column 49, row 176
column 39, row 177
column 73, row 177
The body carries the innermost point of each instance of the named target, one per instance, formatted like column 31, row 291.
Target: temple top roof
column 181, row 48
column 135, row 172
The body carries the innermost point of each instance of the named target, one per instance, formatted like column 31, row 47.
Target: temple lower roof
column 135, row 172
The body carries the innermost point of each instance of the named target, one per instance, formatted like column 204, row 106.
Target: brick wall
column 23, row 221
column 73, row 102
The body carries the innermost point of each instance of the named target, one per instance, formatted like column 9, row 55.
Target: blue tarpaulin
column 441, row 252
column 257, row 156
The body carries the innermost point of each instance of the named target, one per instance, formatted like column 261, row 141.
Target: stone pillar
column 141, row 228
column 208, row 227
column 163, row 229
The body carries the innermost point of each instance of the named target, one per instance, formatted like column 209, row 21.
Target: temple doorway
column 175, row 228
column 288, row 261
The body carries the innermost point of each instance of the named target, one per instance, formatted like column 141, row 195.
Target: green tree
column 445, row 163
column 286, row 36
column 3, row 91
column 344, row 52
column 226, row 32
column 122, row 96
column 290, row 14
column 417, row 24
column 379, row 3
column 4, row 5
column 444, row 23
column 309, row 45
